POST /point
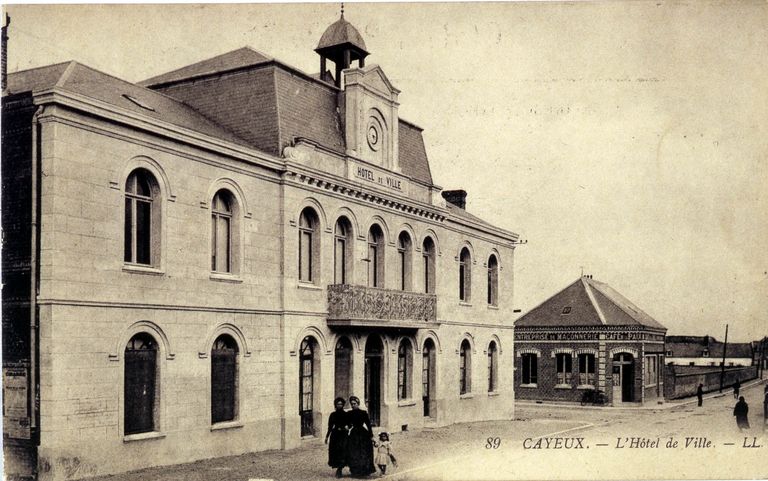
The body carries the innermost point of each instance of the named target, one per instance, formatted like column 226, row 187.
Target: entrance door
column 374, row 351
column 343, row 368
column 623, row 377
column 428, row 378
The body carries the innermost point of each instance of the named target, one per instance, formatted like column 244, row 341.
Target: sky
column 626, row 140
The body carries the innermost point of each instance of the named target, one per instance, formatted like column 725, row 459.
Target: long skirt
column 360, row 454
column 337, row 449
column 742, row 422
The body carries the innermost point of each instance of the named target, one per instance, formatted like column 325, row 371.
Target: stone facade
column 286, row 328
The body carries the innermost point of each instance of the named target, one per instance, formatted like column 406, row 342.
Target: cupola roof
column 341, row 33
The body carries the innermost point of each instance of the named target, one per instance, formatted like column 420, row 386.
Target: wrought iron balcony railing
column 371, row 306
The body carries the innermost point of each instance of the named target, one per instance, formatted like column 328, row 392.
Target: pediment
column 375, row 79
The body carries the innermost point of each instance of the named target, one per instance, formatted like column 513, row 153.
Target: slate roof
column 696, row 346
column 590, row 303
column 236, row 59
column 85, row 81
column 270, row 104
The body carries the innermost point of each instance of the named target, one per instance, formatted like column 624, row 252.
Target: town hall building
column 197, row 265
column 589, row 337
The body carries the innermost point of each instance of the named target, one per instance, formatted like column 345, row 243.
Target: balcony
column 362, row 306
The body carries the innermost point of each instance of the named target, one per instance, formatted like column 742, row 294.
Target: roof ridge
column 636, row 311
column 67, row 73
column 593, row 300
column 41, row 67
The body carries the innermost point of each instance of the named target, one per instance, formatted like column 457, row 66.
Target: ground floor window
column 587, row 369
column 140, row 384
column 530, row 368
column 564, row 368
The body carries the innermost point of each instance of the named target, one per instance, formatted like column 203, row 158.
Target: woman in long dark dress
column 336, row 437
column 359, row 441
column 740, row 411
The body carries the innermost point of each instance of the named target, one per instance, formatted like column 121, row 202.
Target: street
column 608, row 443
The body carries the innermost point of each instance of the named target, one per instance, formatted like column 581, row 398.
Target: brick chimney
column 456, row 197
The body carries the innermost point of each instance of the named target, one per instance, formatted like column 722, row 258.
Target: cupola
column 342, row 44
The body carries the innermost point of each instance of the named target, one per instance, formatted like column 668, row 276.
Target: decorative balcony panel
column 350, row 305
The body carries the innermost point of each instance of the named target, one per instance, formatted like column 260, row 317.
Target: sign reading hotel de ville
column 371, row 175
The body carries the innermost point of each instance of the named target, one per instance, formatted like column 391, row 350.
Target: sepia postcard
column 408, row 241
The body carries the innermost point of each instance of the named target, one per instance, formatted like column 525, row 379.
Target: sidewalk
column 414, row 450
column 665, row 405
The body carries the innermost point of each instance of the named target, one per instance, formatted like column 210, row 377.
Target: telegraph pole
column 722, row 365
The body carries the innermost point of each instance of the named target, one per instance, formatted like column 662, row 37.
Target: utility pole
column 722, row 365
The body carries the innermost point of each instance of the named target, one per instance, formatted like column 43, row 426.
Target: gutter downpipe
column 34, row 353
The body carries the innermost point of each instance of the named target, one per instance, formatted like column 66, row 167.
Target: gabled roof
column 587, row 302
column 87, row 82
column 236, row 59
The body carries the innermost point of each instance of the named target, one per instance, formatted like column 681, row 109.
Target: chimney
column 4, row 79
column 456, row 197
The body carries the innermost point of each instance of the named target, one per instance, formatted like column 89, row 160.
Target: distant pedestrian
column 336, row 437
column 384, row 454
column 736, row 389
column 740, row 411
column 700, row 394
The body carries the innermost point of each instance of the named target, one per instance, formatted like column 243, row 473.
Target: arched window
column 221, row 232
column 342, row 255
column 404, row 369
column 142, row 219
column 465, row 368
column 404, row 256
column 492, row 366
column 224, row 380
column 493, row 281
column 309, row 239
column 140, row 384
column 343, row 368
column 428, row 257
column 465, row 275
column 375, row 257
column 307, row 386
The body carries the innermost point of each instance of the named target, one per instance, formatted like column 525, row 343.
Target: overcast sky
column 629, row 139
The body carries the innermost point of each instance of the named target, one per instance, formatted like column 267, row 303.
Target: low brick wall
column 683, row 381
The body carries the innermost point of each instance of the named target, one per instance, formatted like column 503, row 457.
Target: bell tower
column 342, row 44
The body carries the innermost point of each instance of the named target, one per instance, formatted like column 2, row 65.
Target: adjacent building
column 707, row 351
column 589, row 337
column 195, row 266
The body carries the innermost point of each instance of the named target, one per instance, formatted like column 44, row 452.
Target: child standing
column 384, row 454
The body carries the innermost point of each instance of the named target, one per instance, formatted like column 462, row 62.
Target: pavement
column 607, row 443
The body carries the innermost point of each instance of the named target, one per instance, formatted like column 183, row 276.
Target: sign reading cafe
column 587, row 336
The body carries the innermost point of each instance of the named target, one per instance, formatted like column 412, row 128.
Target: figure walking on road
column 360, row 441
column 700, row 394
column 336, row 437
column 736, row 389
column 740, row 411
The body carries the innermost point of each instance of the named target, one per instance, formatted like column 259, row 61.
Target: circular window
column 374, row 135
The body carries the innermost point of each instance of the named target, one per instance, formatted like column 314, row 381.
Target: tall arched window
column 492, row 366
column 307, row 386
column 404, row 256
column 375, row 256
column 465, row 275
column 309, row 239
column 140, row 384
column 221, row 232
column 465, row 368
column 224, row 379
column 428, row 258
column 404, row 370
column 142, row 219
column 493, row 281
column 342, row 255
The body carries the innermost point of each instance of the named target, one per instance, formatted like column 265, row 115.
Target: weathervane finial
column 342, row 9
